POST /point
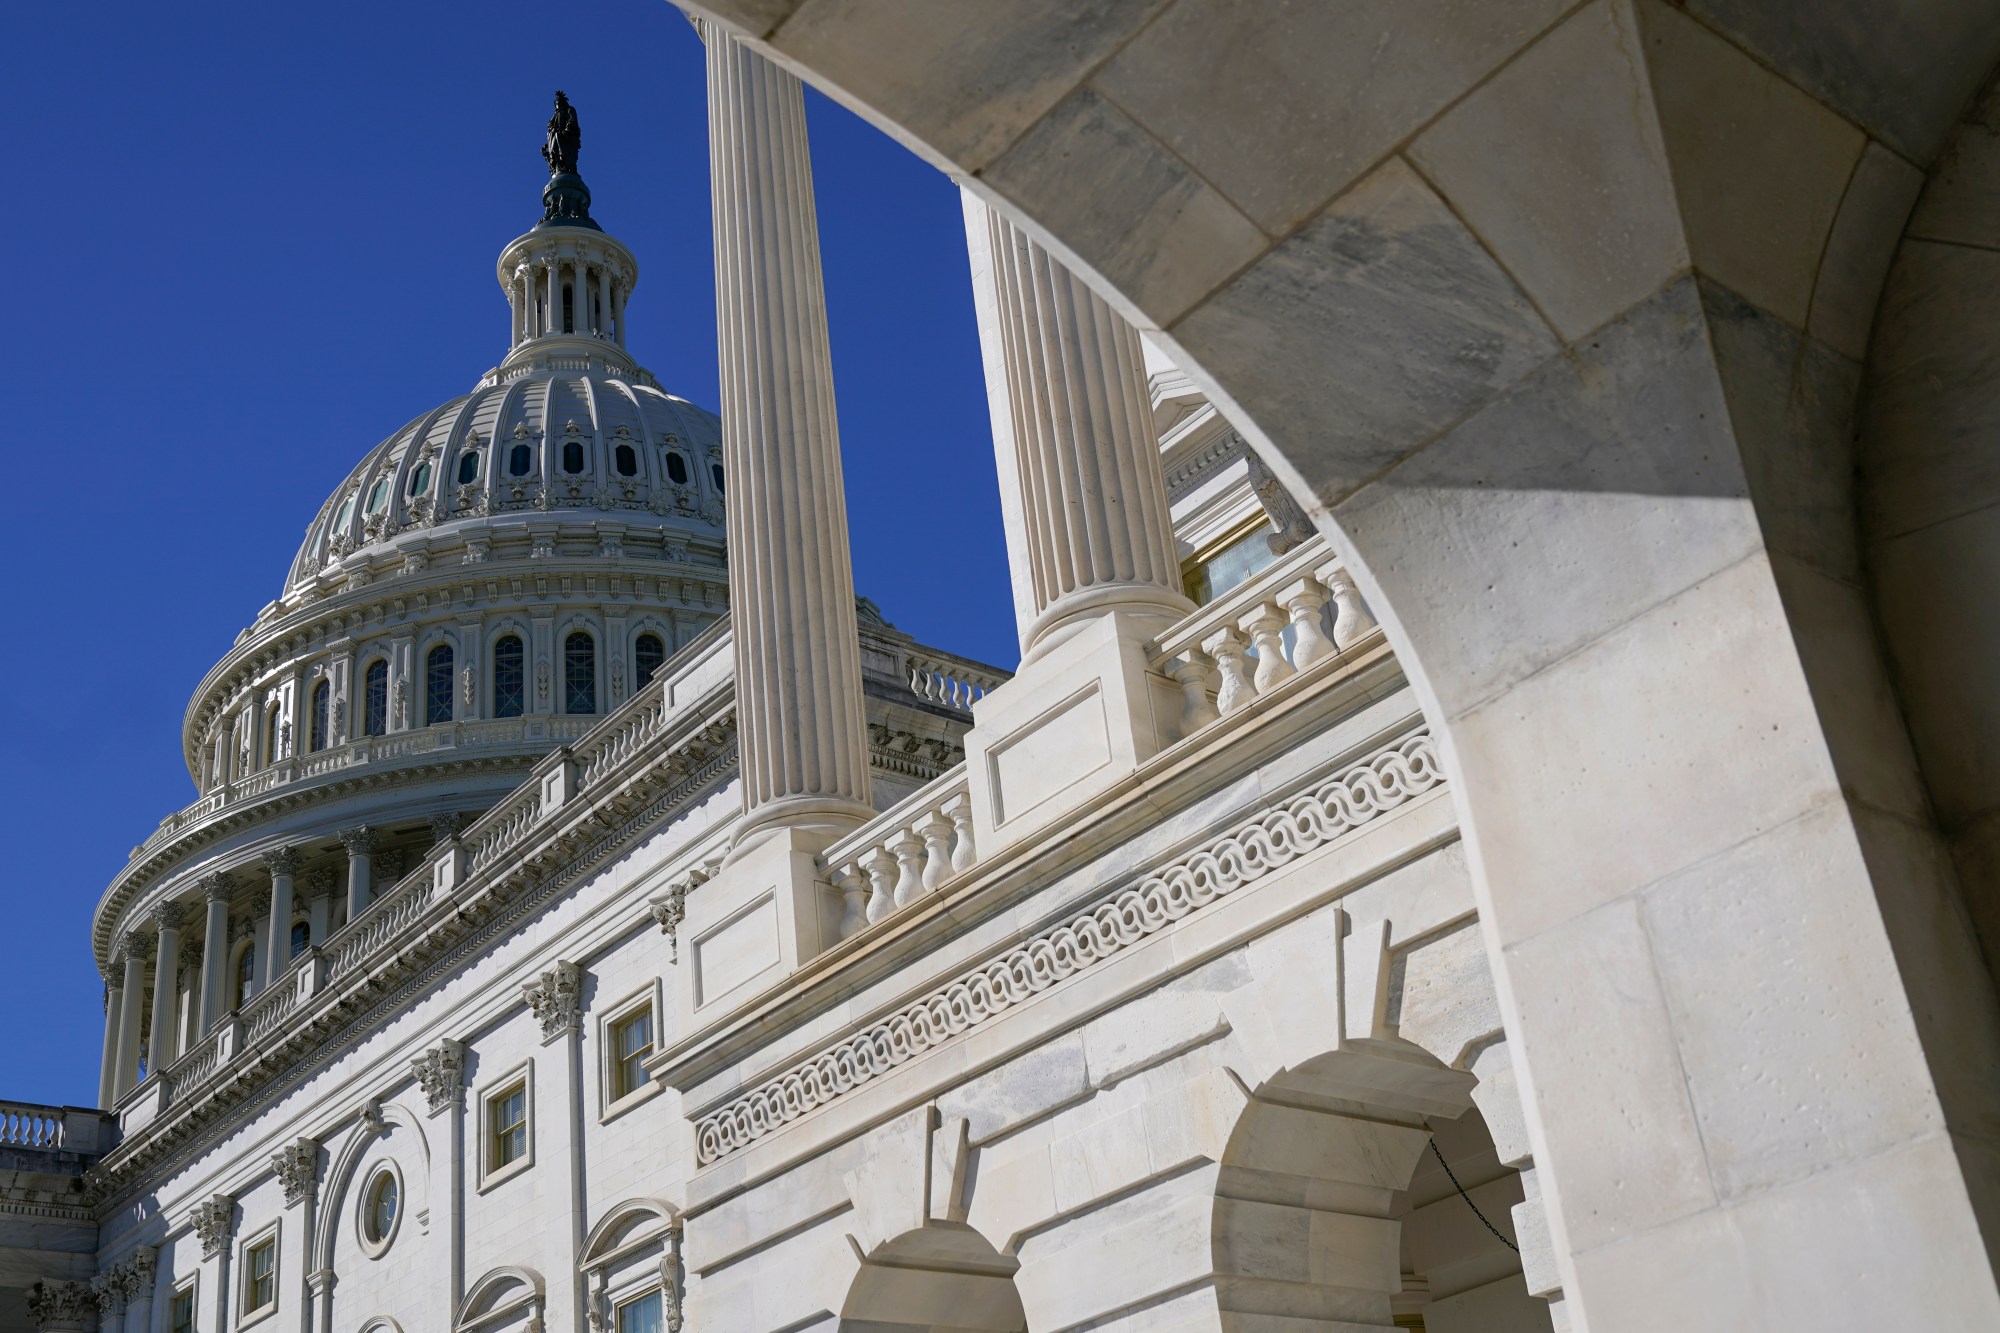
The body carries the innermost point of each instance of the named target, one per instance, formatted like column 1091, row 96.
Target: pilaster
column 440, row 1072
column 556, row 998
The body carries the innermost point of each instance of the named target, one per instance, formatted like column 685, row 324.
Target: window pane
column 301, row 937
column 628, row 461
column 468, row 468
column 246, row 974
column 375, row 715
column 520, row 458
column 183, row 1320
column 677, row 470
column 715, row 471
column 509, row 678
column 510, row 1126
column 378, row 496
column 640, row 1316
column 572, row 457
column 420, row 480
column 579, row 673
column 647, row 655
column 437, row 685
column 271, row 736
column 320, row 693
column 632, row 1042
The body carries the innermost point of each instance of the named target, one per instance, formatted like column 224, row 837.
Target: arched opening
column 1459, row 1257
column 649, row 651
column 631, row 1268
column 579, row 673
column 322, row 692
column 437, row 685
column 941, row 1278
column 510, row 693
column 375, row 698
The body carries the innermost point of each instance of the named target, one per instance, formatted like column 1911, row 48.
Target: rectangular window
column 507, row 1114
column 631, row 1043
column 641, row 1315
column 1213, row 572
column 181, row 1316
column 260, row 1276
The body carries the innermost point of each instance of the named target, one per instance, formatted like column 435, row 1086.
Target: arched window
column 437, row 685
column 572, row 456
column 677, row 469
column 579, row 673
column 301, row 937
column 627, row 460
column 346, row 512
column 648, row 651
column 468, row 467
column 271, row 735
column 321, row 693
column 715, row 471
column 520, row 458
column 510, row 695
column 246, row 974
column 378, row 497
column 375, row 699
column 420, row 480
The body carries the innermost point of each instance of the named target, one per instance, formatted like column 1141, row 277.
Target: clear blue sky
column 248, row 241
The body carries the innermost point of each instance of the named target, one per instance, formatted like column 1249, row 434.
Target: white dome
column 561, row 433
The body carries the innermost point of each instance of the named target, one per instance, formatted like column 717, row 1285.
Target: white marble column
column 801, row 733
column 360, row 844
column 283, row 863
column 1082, row 490
column 136, row 950
column 107, row 1078
column 215, row 890
column 167, row 919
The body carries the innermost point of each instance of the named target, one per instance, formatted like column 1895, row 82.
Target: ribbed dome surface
column 532, row 437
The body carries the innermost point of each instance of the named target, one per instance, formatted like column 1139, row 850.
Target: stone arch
column 943, row 1277
column 635, row 1247
column 1592, row 497
column 377, row 1122
column 506, row 1293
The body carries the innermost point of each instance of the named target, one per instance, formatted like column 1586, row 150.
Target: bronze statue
column 565, row 137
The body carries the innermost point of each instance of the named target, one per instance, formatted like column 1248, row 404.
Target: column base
column 1081, row 714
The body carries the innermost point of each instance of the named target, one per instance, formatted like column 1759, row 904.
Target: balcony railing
column 910, row 849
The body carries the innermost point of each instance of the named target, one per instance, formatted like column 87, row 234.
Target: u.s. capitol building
column 593, row 916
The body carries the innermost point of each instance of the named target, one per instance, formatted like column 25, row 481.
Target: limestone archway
column 1526, row 303
column 940, row 1278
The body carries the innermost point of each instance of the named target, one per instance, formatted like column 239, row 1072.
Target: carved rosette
column 297, row 1167
column 440, row 1072
column 62, row 1305
column 211, row 1219
column 557, row 999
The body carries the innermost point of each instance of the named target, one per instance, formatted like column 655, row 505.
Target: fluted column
column 360, row 844
column 137, row 949
column 215, row 890
column 283, row 863
column 1082, row 488
column 791, row 581
column 167, row 918
column 107, row 1077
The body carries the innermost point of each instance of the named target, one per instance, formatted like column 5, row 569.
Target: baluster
column 935, row 830
column 959, row 811
column 1234, row 667
column 1191, row 669
column 853, row 888
column 1266, row 629
column 908, row 852
column 1304, row 601
column 881, row 869
column 1352, row 620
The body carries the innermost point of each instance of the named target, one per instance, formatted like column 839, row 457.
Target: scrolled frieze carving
column 440, row 1072
column 1265, row 842
column 556, row 997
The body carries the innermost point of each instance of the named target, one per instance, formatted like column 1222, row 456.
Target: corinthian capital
column 360, row 841
column 282, row 860
column 169, row 915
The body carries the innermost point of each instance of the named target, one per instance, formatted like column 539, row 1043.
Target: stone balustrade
column 952, row 681
column 908, row 850
column 1293, row 616
column 24, row 1125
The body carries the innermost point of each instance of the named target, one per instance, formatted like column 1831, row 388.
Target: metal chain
column 1468, row 1199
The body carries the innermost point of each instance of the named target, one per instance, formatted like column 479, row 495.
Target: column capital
column 556, row 996
column 137, row 944
column 211, row 1218
column 360, row 841
column 216, row 886
column 446, row 826
column 258, row 903
column 321, row 883
column 281, row 860
column 297, row 1168
column 169, row 915
column 440, row 1072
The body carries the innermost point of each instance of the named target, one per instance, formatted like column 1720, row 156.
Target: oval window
column 627, row 460
column 379, row 1206
column 715, row 470
column 677, row 470
column 520, row 459
column 378, row 496
column 572, row 456
column 420, row 480
column 468, row 468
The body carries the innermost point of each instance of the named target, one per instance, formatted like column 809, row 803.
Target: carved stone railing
column 952, row 681
column 25, row 1125
column 908, row 850
column 1291, row 617
column 446, row 737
